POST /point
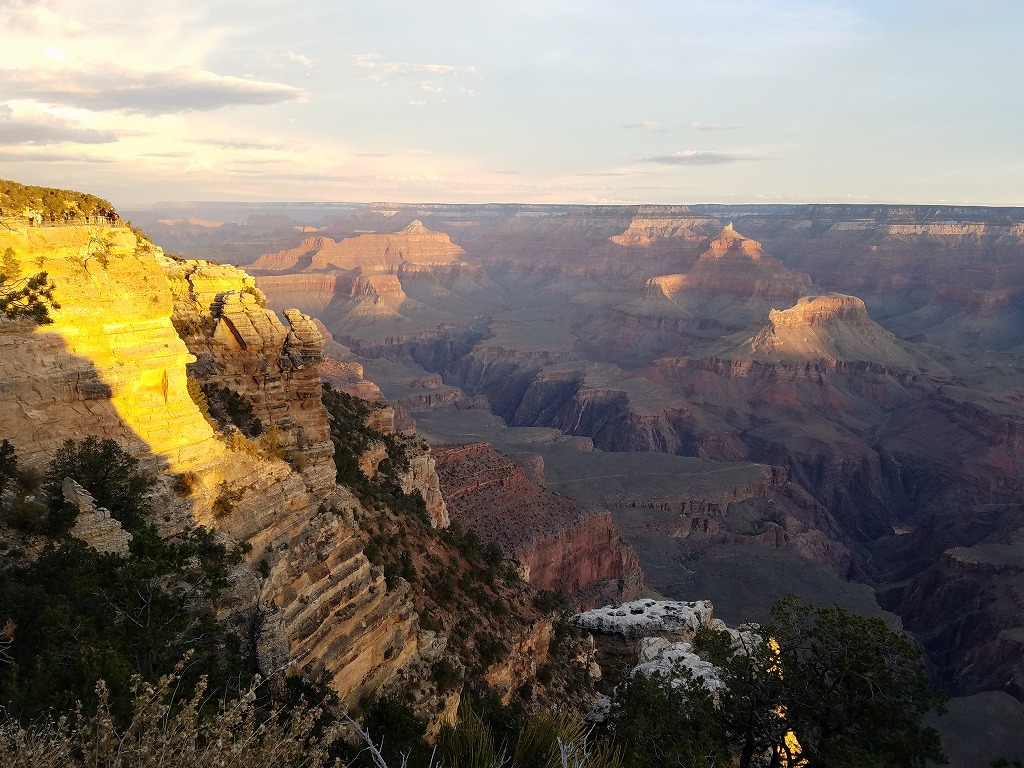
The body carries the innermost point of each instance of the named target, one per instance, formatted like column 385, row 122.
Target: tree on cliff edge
column 28, row 298
column 821, row 689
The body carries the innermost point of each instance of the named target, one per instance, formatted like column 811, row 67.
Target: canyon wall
column 561, row 545
column 113, row 365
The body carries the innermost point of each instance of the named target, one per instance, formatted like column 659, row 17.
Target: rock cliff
column 113, row 365
column 374, row 252
column 562, row 545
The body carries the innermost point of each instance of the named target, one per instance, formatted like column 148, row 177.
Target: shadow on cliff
column 50, row 394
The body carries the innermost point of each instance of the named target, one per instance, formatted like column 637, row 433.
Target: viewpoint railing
column 64, row 220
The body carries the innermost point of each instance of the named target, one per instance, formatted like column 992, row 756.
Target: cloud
column 698, row 157
column 114, row 89
column 32, row 157
column 260, row 144
column 712, row 127
column 298, row 58
column 417, row 103
column 46, row 130
column 650, row 125
column 398, row 70
column 31, row 16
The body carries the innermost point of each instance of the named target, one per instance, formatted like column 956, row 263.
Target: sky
column 544, row 101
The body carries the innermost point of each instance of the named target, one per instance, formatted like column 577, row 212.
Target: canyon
column 866, row 357
column 139, row 347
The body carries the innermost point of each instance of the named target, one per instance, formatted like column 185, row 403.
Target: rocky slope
column 561, row 545
column 113, row 365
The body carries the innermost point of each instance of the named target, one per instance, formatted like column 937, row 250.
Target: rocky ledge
column 561, row 544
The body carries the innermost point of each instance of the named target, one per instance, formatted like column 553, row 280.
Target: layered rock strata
column 248, row 350
column 112, row 365
column 561, row 544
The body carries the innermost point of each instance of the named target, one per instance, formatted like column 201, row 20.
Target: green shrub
column 228, row 408
column 106, row 471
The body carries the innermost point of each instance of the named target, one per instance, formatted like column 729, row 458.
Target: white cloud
column 397, row 70
column 44, row 129
column 116, row 89
column 34, row 17
column 698, row 157
column 298, row 58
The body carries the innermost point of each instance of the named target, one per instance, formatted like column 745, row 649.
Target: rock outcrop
column 110, row 364
column 113, row 365
column 246, row 348
column 562, row 545
column 93, row 524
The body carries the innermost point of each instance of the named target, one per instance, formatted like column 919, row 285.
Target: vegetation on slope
column 75, row 616
column 18, row 199
column 820, row 688
column 28, row 298
column 850, row 691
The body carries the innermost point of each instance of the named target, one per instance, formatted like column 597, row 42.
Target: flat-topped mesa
column 821, row 310
column 387, row 252
column 829, row 327
column 650, row 225
column 561, row 544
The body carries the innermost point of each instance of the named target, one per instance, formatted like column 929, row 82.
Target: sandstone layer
column 562, row 545
column 112, row 365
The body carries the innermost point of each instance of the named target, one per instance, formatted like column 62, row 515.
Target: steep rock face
column 94, row 525
column 337, row 614
column 562, row 545
column 112, row 365
column 963, row 594
column 527, row 655
column 250, row 352
column 422, row 476
column 109, row 365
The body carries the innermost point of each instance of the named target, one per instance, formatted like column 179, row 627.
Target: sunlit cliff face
column 110, row 364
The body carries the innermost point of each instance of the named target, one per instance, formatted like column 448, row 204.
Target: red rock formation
column 562, row 545
column 375, row 252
